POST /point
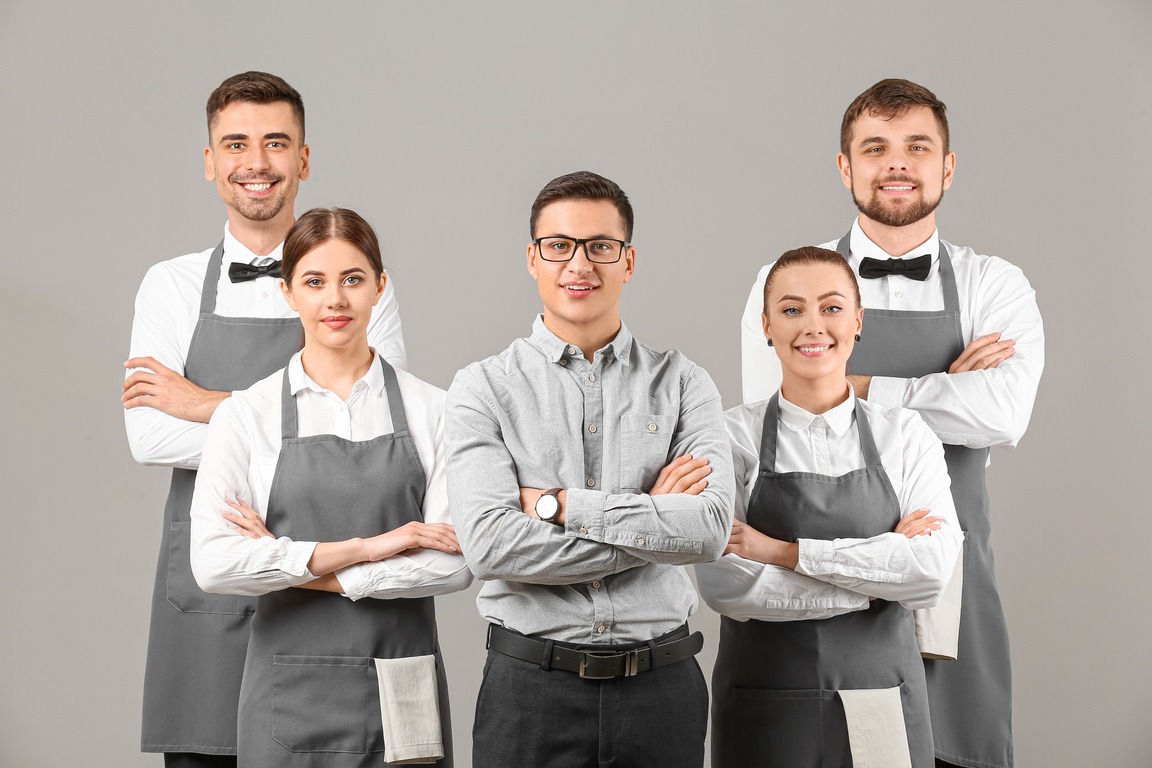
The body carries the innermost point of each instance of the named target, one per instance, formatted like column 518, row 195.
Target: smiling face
column 334, row 289
column 581, row 298
column 257, row 160
column 812, row 318
column 897, row 169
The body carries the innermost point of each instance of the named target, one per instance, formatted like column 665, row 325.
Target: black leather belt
column 594, row 665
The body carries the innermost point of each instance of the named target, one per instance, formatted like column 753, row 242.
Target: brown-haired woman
column 322, row 485
column 832, row 545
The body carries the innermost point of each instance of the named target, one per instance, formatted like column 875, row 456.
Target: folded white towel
column 938, row 628
column 876, row 734
column 410, row 710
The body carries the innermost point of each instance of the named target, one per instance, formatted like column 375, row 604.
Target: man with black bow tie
column 955, row 336
column 207, row 324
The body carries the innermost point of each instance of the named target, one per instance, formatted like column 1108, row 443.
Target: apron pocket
column 644, row 444
column 183, row 592
column 326, row 704
column 788, row 726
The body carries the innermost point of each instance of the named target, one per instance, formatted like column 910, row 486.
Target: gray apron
column 196, row 640
column 310, row 694
column 775, row 684
column 971, row 696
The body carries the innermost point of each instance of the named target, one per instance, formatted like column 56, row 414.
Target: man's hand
column 683, row 475
column 246, row 520
column 984, row 353
column 751, row 544
column 860, row 385
column 529, row 497
column 918, row 524
column 165, row 390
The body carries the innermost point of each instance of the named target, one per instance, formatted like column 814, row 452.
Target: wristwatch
column 548, row 506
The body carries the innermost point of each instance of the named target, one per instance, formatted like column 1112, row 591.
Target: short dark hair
column 583, row 185
column 259, row 88
column 318, row 226
column 888, row 99
column 808, row 256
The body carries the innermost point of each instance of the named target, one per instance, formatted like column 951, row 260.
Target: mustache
column 240, row 178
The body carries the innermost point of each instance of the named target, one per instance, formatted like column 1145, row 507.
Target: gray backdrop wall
column 439, row 122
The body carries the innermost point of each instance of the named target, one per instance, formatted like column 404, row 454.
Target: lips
column 897, row 186
column 336, row 322
column 579, row 290
column 813, row 350
column 258, row 187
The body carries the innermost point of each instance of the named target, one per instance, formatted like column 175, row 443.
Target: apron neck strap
column 768, row 435
column 211, row 280
column 288, row 426
column 867, row 442
column 947, row 274
column 395, row 403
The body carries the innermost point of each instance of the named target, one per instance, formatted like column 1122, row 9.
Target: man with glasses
column 585, row 470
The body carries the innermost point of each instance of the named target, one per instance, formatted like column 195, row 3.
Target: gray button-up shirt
column 539, row 415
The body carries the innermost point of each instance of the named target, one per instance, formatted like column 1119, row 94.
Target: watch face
column 547, row 506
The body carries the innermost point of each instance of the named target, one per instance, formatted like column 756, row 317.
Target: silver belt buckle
column 631, row 663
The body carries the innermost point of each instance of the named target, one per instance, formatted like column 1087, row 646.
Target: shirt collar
column 555, row 348
column 838, row 419
column 862, row 247
column 298, row 379
column 237, row 252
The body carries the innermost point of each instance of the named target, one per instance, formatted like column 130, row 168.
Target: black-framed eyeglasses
column 599, row 250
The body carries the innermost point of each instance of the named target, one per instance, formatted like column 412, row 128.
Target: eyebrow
column 244, row 137
column 570, row 237
column 821, row 297
column 349, row 271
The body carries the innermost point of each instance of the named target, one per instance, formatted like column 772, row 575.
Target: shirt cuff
column 355, row 582
column 584, row 513
column 887, row 391
column 815, row 557
column 295, row 562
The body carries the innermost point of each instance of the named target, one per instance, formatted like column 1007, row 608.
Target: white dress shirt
column 839, row 576
column 240, row 455
column 976, row 409
column 167, row 308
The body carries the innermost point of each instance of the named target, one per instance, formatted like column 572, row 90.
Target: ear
column 305, row 152
column 859, row 319
column 209, row 169
column 629, row 263
column 284, row 289
column 949, row 168
column 380, row 288
column 532, row 260
column 845, row 167
column 767, row 327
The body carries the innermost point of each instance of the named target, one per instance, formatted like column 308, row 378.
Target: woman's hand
column 413, row 535
column 246, row 520
column 918, row 524
column 751, row 544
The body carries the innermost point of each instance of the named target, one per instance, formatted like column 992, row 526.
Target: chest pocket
column 644, row 443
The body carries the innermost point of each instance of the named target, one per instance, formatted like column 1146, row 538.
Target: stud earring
column 857, row 337
column 769, row 342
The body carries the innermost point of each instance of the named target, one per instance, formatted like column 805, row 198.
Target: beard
column 896, row 215
column 260, row 209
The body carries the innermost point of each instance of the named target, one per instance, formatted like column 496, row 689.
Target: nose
column 257, row 157
column 336, row 295
column 580, row 263
column 897, row 161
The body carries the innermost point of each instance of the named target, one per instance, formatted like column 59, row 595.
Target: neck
column 260, row 237
column 336, row 369
column 897, row 241
column 815, row 395
column 588, row 337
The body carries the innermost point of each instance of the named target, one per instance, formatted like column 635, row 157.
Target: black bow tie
column 239, row 273
column 914, row 269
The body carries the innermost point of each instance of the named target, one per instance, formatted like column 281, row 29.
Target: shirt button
column 563, row 361
column 898, row 294
column 571, row 350
column 595, row 585
column 640, row 541
column 591, row 482
column 583, row 530
column 652, row 427
column 591, row 427
column 600, row 629
column 591, row 377
column 263, row 294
